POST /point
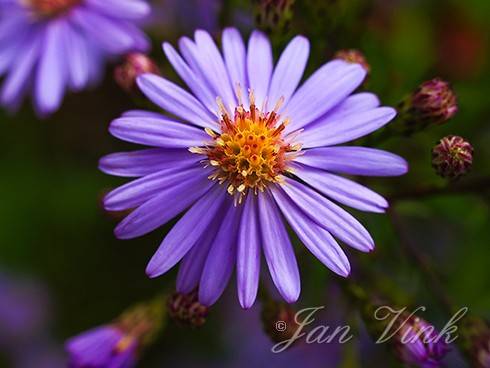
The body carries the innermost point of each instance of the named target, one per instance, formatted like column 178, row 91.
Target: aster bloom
column 102, row 347
column 238, row 162
column 418, row 344
column 51, row 46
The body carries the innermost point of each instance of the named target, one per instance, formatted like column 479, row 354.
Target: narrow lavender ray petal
column 190, row 269
column 137, row 192
column 348, row 128
column 16, row 82
column 140, row 40
column 109, row 34
column 278, row 250
column 214, row 69
column 123, row 9
column 221, row 258
column 259, row 66
column 93, row 346
column 289, row 70
column 52, row 73
column 248, row 254
column 340, row 189
column 143, row 114
column 328, row 215
column 157, row 132
column 145, row 162
column 77, row 58
column 355, row 161
column 235, row 56
column 328, row 86
column 187, row 232
column 353, row 104
column 195, row 82
column 318, row 240
column 162, row 208
column 175, row 100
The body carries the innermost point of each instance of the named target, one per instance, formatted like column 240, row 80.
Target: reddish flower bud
column 186, row 309
column 353, row 56
column 133, row 66
column 452, row 157
column 475, row 341
column 279, row 321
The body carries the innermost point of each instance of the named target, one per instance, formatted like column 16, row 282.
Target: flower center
column 48, row 8
column 250, row 152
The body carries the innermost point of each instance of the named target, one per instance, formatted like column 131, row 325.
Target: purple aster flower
column 419, row 344
column 102, row 347
column 240, row 166
column 51, row 46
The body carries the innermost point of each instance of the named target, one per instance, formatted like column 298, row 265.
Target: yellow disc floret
column 250, row 152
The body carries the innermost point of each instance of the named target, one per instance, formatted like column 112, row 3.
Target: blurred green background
column 53, row 229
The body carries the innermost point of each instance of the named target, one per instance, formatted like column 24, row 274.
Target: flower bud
column 119, row 343
column 353, row 56
column 452, row 157
column 273, row 15
column 417, row 342
column 133, row 66
column 279, row 320
column 186, row 309
column 434, row 102
column 475, row 341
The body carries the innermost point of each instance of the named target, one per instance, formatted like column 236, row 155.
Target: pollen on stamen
column 251, row 151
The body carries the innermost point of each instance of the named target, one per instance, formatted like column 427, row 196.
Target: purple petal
column 52, row 72
column 221, row 258
column 77, row 59
column 346, row 128
column 157, row 132
column 15, row 84
column 315, row 238
column 109, row 34
column 187, row 232
column 248, row 255
column 289, row 70
column 195, row 82
column 124, row 9
column 235, row 58
column 143, row 114
column 327, row 87
column 137, row 192
column 259, row 66
column 341, row 189
column 190, row 269
column 162, row 208
column 328, row 215
column 278, row 250
column 145, row 162
column 175, row 100
column 355, row 161
column 214, row 69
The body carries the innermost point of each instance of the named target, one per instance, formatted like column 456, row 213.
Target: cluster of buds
column 134, row 65
column 118, row 344
column 186, row 309
column 452, row 157
column 279, row 320
column 433, row 102
column 273, row 15
column 353, row 56
column 475, row 341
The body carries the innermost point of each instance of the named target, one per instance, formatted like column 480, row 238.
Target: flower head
column 238, row 162
column 452, row 157
column 417, row 343
column 61, row 45
column 101, row 347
